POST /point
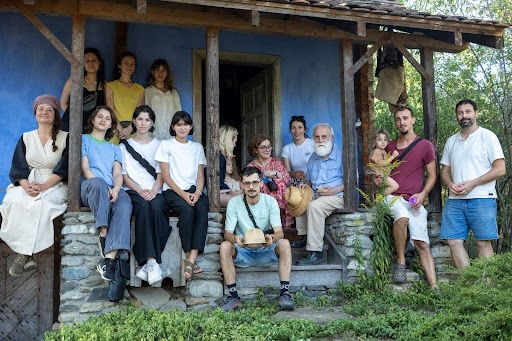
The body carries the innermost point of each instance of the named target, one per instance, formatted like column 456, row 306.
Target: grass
column 477, row 305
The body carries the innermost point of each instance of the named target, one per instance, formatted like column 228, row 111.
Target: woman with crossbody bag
column 143, row 183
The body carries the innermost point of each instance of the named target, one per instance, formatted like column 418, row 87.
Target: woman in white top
column 162, row 97
column 143, row 183
column 182, row 162
column 296, row 154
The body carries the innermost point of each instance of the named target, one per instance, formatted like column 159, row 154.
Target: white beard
column 323, row 149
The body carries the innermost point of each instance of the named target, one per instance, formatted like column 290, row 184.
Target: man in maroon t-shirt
column 407, row 209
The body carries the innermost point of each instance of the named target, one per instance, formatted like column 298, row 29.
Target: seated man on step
column 325, row 175
column 245, row 212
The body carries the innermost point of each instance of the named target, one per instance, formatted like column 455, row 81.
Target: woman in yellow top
column 124, row 95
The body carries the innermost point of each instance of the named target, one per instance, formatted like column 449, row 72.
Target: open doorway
column 249, row 98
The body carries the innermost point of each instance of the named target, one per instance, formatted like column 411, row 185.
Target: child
column 232, row 179
column 382, row 160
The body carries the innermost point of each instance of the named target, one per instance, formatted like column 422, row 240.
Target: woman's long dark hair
column 169, row 80
column 117, row 69
column 110, row 131
column 101, row 70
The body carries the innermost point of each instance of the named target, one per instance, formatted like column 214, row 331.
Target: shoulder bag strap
column 408, row 149
column 250, row 213
column 144, row 163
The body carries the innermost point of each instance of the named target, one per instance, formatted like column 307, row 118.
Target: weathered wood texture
column 26, row 302
column 430, row 122
column 212, row 116
column 348, row 124
column 75, row 110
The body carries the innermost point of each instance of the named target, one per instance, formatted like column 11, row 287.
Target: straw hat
column 254, row 238
column 298, row 199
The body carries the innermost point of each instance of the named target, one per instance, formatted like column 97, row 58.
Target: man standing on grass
column 472, row 161
column 408, row 210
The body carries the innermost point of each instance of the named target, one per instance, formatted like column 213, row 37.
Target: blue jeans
column 262, row 256
column 462, row 215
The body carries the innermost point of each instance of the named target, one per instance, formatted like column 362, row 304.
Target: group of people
column 137, row 158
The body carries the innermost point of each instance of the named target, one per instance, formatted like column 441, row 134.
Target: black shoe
column 313, row 258
column 285, row 302
column 107, row 269
column 299, row 243
column 101, row 244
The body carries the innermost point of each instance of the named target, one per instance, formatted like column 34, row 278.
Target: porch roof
column 360, row 21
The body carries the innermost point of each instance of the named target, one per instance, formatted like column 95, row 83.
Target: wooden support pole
column 430, row 121
column 75, row 113
column 212, row 117
column 348, row 118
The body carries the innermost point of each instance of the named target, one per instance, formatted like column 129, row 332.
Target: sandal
column 188, row 271
column 197, row 270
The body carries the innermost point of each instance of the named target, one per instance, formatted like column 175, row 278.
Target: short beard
column 467, row 124
column 323, row 149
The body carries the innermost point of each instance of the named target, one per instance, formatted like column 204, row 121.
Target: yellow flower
column 379, row 197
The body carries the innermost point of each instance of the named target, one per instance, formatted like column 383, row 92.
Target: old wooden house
column 249, row 63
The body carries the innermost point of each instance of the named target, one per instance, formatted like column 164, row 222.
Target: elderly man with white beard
column 325, row 175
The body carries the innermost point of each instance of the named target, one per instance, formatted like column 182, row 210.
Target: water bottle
column 414, row 201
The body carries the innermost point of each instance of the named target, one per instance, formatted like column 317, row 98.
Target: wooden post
column 430, row 121
column 212, row 117
column 348, row 114
column 75, row 113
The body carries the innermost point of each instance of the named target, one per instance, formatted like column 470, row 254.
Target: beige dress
column 27, row 222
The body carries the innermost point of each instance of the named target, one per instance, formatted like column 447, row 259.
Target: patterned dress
column 282, row 184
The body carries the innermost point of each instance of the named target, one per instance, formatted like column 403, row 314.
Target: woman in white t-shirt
column 296, row 154
column 182, row 162
column 143, row 183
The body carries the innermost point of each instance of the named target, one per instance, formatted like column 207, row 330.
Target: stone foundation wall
column 343, row 228
column 83, row 293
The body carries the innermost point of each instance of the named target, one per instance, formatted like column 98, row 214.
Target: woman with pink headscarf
column 37, row 194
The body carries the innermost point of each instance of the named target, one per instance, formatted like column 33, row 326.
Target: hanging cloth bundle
column 391, row 74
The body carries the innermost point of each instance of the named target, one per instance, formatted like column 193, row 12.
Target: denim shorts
column 462, row 215
column 262, row 256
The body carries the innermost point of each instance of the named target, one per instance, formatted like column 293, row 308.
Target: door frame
column 263, row 60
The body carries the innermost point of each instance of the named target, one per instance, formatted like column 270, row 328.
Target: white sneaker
column 154, row 273
column 143, row 273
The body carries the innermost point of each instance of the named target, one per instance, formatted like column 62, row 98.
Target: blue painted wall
column 31, row 66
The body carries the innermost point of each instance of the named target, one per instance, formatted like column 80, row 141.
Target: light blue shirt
column 101, row 156
column 328, row 172
column 265, row 212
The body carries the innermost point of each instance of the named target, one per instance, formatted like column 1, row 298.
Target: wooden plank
column 361, row 29
column 364, row 58
column 197, row 93
column 348, row 110
column 212, row 116
column 141, row 6
column 458, row 37
column 413, row 61
column 430, row 123
column 47, row 33
column 75, row 119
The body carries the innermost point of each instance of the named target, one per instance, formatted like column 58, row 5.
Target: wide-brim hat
column 254, row 238
column 298, row 199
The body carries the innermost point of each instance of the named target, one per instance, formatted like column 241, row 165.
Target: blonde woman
column 229, row 178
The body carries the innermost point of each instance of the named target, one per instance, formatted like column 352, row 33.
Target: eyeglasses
column 248, row 184
column 265, row 147
column 297, row 118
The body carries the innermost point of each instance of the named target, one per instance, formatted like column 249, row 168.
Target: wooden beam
column 47, row 33
column 430, row 122
column 212, row 117
column 413, row 61
column 348, row 118
column 141, row 6
column 364, row 58
column 457, row 37
column 361, row 29
column 75, row 112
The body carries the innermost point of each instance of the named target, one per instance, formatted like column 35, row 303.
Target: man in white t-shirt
column 472, row 161
column 234, row 252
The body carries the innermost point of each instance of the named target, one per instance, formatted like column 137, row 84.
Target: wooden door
column 255, row 111
column 27, row 301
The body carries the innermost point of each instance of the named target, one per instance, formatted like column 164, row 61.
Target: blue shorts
column 262, row 256
column 462, row 215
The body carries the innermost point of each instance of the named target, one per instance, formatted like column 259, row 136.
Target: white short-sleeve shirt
column 134, row 169
column 299, row 155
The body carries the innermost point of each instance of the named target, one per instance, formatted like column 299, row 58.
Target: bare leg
column 427, row 262
column 284, row 253
column 484, row 248
column 459, row 255
column 227, row 254
column 400, row 236
column 224, row 198
column 192, row 255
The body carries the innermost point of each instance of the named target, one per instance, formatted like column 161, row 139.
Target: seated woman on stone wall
column 101, row 189
column 37, row 194
column 182, row 162
column 229, row 178
column 275, row 175
column 143, row 183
